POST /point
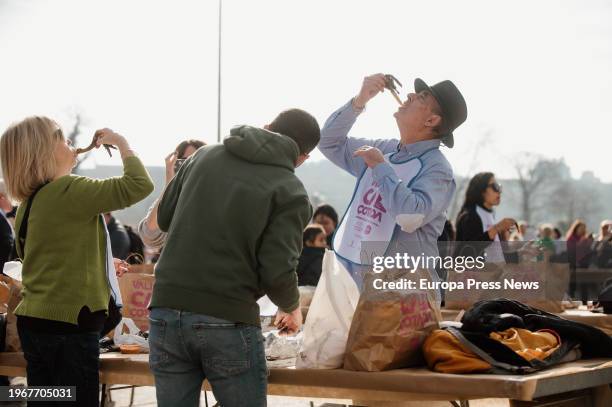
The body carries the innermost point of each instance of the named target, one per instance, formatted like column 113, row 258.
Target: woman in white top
column 477, row 224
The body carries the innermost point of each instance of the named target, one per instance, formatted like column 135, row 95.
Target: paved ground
column 145, row 396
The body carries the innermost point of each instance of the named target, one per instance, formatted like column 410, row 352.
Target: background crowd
column 577, row 245
column 476, row 227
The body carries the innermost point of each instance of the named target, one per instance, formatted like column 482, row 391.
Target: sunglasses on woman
column 495, row 187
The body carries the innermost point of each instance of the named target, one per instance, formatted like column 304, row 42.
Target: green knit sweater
column 64, row 264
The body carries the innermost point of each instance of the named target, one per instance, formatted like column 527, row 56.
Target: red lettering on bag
column 140, row 299
column 368, row 198
column 408, row 307
column 378, row 204
column 369, row 212
column 142, row 285
column 415, row 321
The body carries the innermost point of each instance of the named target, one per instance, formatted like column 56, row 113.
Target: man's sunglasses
column 495, row 187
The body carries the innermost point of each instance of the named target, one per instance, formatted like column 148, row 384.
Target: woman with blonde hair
column 65, row 253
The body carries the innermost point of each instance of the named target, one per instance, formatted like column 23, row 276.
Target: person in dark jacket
column 7, row 234
column 235, row 213
column 326, row 216
column 120, row 240
column 7, row 245
column 603, row 246
column 311, row 261
column 478, row 231
column 578, row 245
column 446, row 244
column 579, row 254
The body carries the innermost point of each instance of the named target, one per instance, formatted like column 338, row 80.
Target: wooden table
column 391, row 386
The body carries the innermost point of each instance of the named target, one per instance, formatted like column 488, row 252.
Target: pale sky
column 536, row 75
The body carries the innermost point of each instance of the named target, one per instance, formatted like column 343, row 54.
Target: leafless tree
column 73, row 136
column 573, row 199
column 536, row 176
column 475, row 150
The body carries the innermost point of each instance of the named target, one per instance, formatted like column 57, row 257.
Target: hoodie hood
column 260, row 146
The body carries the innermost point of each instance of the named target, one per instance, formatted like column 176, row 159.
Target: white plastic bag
column 130, row 338
column 266, row 307
column 329, row 317
column 13, row 269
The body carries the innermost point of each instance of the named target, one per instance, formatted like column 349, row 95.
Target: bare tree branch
column 73, row 137
column 480, row 143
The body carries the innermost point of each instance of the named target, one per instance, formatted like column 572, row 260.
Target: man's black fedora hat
column 454, row 109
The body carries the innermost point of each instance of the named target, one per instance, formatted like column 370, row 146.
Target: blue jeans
column 187, row 348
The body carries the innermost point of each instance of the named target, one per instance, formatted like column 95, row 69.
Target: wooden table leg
column 103, row 397
column 594, row 397
column 365, row 403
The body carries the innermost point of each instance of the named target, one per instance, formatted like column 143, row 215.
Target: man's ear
column 300, row 160
column 433, row 121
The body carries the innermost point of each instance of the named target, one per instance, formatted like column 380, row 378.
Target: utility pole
column 219, row 81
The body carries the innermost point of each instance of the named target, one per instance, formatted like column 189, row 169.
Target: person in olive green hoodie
column 234, row 214
column 66, row 258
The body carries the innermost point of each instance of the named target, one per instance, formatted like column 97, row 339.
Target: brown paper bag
column 390, row 326
column 136, row 290
column 5, row 295
column 12, row 337
column 141, row 268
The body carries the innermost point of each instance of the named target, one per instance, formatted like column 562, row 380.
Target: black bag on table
column 500, row 314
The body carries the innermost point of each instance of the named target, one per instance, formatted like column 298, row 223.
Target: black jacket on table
column 500, row 314
column 576, row 340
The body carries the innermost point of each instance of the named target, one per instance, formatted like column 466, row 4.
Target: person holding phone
column 148, row 229
column 478, row 231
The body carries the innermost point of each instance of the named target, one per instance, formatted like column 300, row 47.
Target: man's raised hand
column 371, row 86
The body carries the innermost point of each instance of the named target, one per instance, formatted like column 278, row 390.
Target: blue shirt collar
column 415, row 149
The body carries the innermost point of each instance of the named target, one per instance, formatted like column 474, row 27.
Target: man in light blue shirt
column 404, row 186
